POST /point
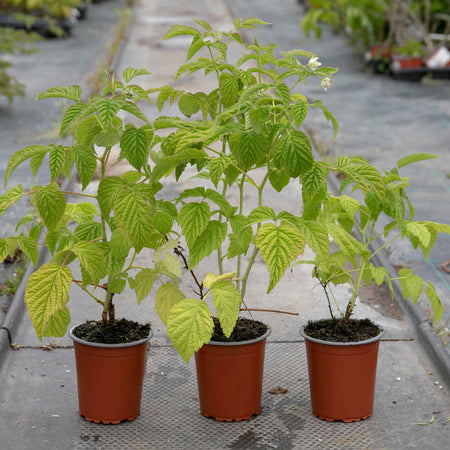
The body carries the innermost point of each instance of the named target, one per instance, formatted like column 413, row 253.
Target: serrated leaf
column 30, row 248
column 193, row 219
column 72, row 114
column 316, row 236
column 57, row 323
column 328, row 116
column 85, row 162
column 279, row 179
column 119, row 243
column 349, row 204
column 108, row 190
column 71, row 92
column 107, row 109
column 227, row 301
column 217, row 167
column 47, row 292
column 143, row 283
column 163, row 222
column 189, row 326
column 210, row 239
column 211, row 278
column 279, row 246
column 420, row 231
column 347, row 243
column 299, row 112
column 10, row 197
column 56, row 159
column 296, row 152
column 251, row 149
column 172, row 264
column 88, row 231
column 196, row 45
column 411, row 284
column 167, row 296
column 163, row 96
column 415, row 157
column 229, row 89
column 134, row 215
column 436, row 305
column 261, row 214
column 51, row 204
column 22, row 155
column 134, row 145
column 180, row 30
column 91, row 259
column 315, row 179
column 188, row 104
column 380, row 273
column 116, row 285
column 130, row 73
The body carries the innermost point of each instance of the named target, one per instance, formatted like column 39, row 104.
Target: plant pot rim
column 97, row 344
column 341, row 344
column 250, row 341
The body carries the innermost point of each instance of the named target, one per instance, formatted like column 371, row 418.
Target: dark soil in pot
column 334, row 330
column 120, row 332
column 245, row 330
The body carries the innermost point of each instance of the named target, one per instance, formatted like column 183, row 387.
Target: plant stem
column 88, row 292
column 269, row 310
column 241, row 208
column 179, row 252
column 384, row 245
column 79, row 194
column 351, row 304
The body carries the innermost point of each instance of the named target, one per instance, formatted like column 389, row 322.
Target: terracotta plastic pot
column 110, row 379
column 229, row 376
column 342, row 377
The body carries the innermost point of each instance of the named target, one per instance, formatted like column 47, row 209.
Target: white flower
column 325, row 83
column 314, row 63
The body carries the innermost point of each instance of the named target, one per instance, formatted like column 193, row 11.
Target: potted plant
column 101, row 235
column 342, row 352
column 244, row 138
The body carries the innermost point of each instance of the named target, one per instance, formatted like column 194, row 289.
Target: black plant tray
column 40, row 25
column 440, row 74
column 413, row 74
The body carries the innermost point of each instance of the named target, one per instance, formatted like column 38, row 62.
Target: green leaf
column 436, row 305
column 46, row 293
column 134, row 215
column 229, row 89
column 10, row 197
column 107, row 109
column 71, row 116
column 196, row 45
column 211, row 278
column 279, row 246
column 411, row 284
column 315, row 179
column 193, row 219
column 134, row 145
column 131, row 73
column 188, row 104
column 57, row 158
column 71, row 92
column 51, row 205
column 299, row 112
column 189, row 326
column 167, row 296
column 108, row 190
column 144, row 283
column 172, row 264
column 57, row 323
column 241, row 237
column 414, row 157
column 248, row 23
column 88, row 231
column 180, row 30
column 251, row 149
column 217, row 167
column 91, row 259
column 349, row 204
column 210, row 239
column 85, row 162
column 227, row 301
column 203, row 24
column 116, row 285
column 295, row 149
column 420, row 231
column 316, row 236
column 22, row 155
column 169, row 163
column 380, row 273
column 328, row 116
column 163, row 222
column 347, row 243
column 119, row 243
column 30, row 248
column 261, row 214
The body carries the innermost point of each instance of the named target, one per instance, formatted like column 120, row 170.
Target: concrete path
column 38, row 401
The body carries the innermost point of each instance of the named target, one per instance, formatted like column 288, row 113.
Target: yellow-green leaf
column 167, row 296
